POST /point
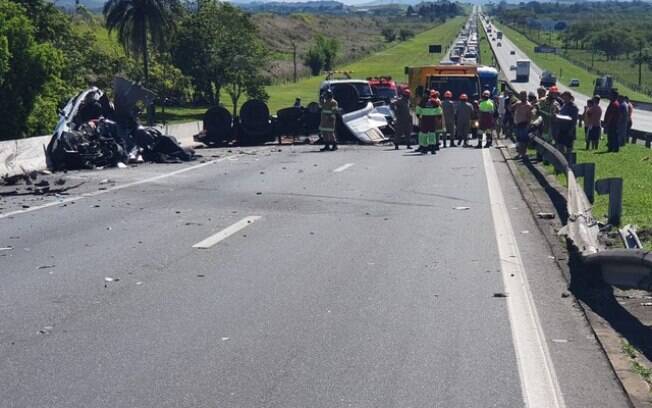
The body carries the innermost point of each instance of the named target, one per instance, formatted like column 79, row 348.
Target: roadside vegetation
column 486, row 52
column 191, row 54
column 594, row 38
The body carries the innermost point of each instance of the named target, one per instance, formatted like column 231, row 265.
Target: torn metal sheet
column 366, row 124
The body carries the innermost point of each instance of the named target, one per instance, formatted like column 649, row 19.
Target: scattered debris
column 225, row 339
column 461, row 208
column 559, row 340
column 565, row 294
column 46, row 266
column 500, row 295
column 546, row 215
column 647, row 304
column 108, row 279
column 201, row 275
column 6, row 248
column 525, row 232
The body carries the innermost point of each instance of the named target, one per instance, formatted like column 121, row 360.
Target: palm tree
column 136, row 21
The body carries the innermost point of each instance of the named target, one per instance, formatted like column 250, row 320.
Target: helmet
column 407, row 93
column 433, row 93
column 328, row 93
column 464, row 97
column 448, row 94
column 553, row 89
column 486, row 93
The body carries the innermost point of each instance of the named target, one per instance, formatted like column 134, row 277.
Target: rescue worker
column 328, row 121
column 448, row 106
column 463, row 117
column 548, row 108
column 487, row 121
column 430, row 121
column 403, row 123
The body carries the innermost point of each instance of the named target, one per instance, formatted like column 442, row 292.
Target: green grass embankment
column 559, row 65
column 391, row 61
column 633, row 163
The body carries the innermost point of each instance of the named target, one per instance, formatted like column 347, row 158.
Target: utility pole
column 640, row 62
column 294, row 60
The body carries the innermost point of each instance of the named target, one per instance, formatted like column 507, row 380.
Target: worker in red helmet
column 463, row 117
column 403, row 123
column 430, row 122
column 486, row 119
column 448, row 106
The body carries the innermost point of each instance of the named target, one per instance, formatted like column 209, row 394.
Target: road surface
column 366, row 277
column 641, row 119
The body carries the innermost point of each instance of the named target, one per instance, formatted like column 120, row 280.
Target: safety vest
column 486, row 106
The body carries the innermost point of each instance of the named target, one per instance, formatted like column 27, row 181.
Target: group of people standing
column 444, row 122
column 548, row 113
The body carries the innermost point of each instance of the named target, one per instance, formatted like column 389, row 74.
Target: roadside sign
column 434, row 48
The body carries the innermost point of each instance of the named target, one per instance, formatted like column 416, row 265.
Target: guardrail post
column 587, row 172
column 614, row 187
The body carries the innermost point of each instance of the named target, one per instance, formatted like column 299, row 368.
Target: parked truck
column 603, row 86
column 459, row 79
column 499, row 35
column 523, row 70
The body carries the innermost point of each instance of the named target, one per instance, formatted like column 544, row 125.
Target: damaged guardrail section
column 625, row 268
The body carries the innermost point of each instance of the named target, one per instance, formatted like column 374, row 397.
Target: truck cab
column 488, row 79
column 548, row 79
column 523, row 70
column 603, row 86
column 384, row 88
column 458, row 79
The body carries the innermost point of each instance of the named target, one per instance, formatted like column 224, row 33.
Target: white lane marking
column 343, row 167
column 539, row 382
column 226, row 232
column 116, row 188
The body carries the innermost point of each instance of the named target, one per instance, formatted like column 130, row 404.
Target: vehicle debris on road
column 93, row 132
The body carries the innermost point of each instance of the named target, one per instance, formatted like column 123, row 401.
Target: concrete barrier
column 20, row 155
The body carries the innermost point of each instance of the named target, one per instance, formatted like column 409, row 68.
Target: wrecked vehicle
column 363, row 117
column 92, row 132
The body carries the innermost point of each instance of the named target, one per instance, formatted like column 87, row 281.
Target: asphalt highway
column 286, row 277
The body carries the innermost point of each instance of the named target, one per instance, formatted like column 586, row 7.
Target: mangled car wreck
column 94, row 132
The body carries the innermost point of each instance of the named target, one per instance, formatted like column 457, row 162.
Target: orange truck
column 458, row 79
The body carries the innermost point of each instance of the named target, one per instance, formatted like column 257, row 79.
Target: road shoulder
column 543, row 194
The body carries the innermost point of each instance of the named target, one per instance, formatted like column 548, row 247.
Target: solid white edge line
column 226, row 232
column 343, row 167
column 116, row 188
column 539, row 382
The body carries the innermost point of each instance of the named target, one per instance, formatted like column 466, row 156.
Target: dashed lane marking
column 226, row 232
column 343, row 167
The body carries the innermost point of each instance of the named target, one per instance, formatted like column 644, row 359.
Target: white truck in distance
column 523, row 70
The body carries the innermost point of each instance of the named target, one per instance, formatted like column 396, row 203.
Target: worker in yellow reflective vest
column 431, row 119
column 487, row 121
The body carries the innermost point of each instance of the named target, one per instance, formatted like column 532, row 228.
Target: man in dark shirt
column 611, row 118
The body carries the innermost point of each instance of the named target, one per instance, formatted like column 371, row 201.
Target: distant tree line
column 436, row 11
column 613, row 29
